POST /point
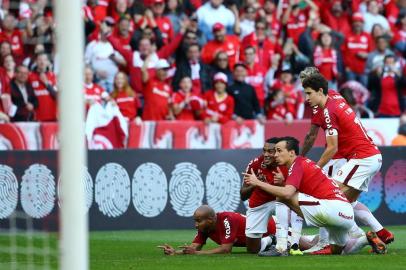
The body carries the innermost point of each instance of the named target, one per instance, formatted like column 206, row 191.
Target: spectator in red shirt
column 355, row 50
column 163, row 22
column 186, row 105
column 122, row 32
column 125, row 97
column 277, row 107
column 220, row 105
column 13, row 36
column 7, row 71
column 119, row 10
column 222, row 42
column 157, row 92
column 93, row 91
column 5, row 49
column 43, row 81
column 255, row 74
column 399, row 39
column 386, row 86
column 334, row 16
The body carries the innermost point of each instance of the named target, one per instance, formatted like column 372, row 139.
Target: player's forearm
column 309, row 139
column 327, row 156
column 217, row 250
column 280, row 192
column 246, row 192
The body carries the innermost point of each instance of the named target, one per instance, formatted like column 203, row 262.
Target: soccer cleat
column 273, row 252
column 325, row 251
column 294, row 250
column 378, row 246
column 316, row 247
column 386, row 236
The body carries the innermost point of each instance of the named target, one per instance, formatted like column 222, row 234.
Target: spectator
column 220, row 64
column 293, row 57
column 135, row 59
column 372, row 16
column 43, row 82
column 194, row 27
column 157, row 93
column 375, row 58
column 360, row 109
column 265, row 48
column 355, row 50
column 14, row 36
column 5, row 49
column 186, row 105
column 358, row 91
column 220, row 105
column 247, row 24
column 7, row 71
column 93, row 91
column 189, row 38
column 175, row 14
column 325, row 58
column 163, row 22
column 400, row 139
column 119, row 10
column 99, row 55
column 399, row 39
column 378, row 31
column 246, row 104
column 277, row 107
column 148, row 29
column 195, row 69
column 222, row 42
column 335, row 17
column 214, row 12
column 271, row 15
column 122, row 32
column 23, row 96
column 42, row 32
column 125, row 97
column 255, row 74
column 386, row 85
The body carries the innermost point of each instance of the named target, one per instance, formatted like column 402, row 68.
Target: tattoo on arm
column 309, row 139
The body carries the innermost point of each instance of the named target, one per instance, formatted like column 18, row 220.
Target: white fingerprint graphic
column 150, row 189
column 88, row 184
column 223, row 187
column 112, row 192
column 8, row 191
column 38, row 191
column 186, row 189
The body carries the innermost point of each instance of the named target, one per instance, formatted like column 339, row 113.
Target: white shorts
column 333, row 166
column 357, row 173
column 257, row 219
column 335, row 215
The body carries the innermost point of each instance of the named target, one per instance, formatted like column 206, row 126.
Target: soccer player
column 227, row 229
column 313, row 196
column 346, row 137
column 261, row 204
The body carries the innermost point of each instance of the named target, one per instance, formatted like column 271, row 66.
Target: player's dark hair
column 273, row 140
column 316, row 81
column 291, row 144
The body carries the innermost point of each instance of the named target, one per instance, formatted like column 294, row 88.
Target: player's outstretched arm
column 310, row 139
column 329, row 152
column 222, row 249
column 169, row 250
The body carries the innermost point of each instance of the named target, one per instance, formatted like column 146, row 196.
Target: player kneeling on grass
column 227, row 229
column 313, row 196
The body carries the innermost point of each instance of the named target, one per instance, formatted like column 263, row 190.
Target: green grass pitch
column 125, row 250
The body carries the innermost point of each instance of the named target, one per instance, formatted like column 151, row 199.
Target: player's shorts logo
column 340, row 172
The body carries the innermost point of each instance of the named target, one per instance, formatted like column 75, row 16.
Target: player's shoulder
column 256, row 162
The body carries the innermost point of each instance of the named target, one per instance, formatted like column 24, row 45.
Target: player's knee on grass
column 253, row 242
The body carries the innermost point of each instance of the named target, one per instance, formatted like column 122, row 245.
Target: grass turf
column 118, row 250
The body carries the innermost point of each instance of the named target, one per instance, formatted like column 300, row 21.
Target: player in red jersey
column 261, row 205
column 314, row 196
column 344, row 129
column 227, row 229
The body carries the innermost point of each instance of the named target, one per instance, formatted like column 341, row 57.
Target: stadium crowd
column 213, row 60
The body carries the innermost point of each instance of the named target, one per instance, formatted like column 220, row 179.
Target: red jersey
column 278, row 112
column 265, row 174
column 46, row 110
column 326, row 61
column 264, row 50
column 293, row 98
column 308, row 178
column 127, row 104
column 255, row 78
column 230, row 229
column 339, row 119
column 93, row 92
column 223, row 108
column 125, row 41
column 389, row 104
column 354, row 44
column 296, row 25
column 15, row 38
column 189, row 111
column 164, row 24
column 157, row 97
column 230, row 45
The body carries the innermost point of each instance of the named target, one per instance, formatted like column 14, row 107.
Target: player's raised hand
column 168, row 250
column 278, row 177
column 251, row 179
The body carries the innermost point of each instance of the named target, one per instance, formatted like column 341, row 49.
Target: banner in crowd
column 177, row 134
column 160, row 189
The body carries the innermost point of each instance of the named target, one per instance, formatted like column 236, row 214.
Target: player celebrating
column 343, row 129
column 314, row 196
column 227, row 229
column 261, row 204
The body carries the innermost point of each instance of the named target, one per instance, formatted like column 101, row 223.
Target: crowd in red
column 210, row 60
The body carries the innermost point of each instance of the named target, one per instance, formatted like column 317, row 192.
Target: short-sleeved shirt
column 265, row 174
column 230, row 229
column 308, row 178
column 157, row 97
column 353, row 142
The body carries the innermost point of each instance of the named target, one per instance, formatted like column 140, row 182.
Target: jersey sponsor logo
column 327, row 118
column 160, row 92
column 339, row 173
column 340, row 214
column 35, row 84
column 227, row 227
column 222, row 107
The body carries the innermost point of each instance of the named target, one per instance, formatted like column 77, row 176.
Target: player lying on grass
column 313, row 196
column 351, row 157
column 261, row 205
column 227, row 229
